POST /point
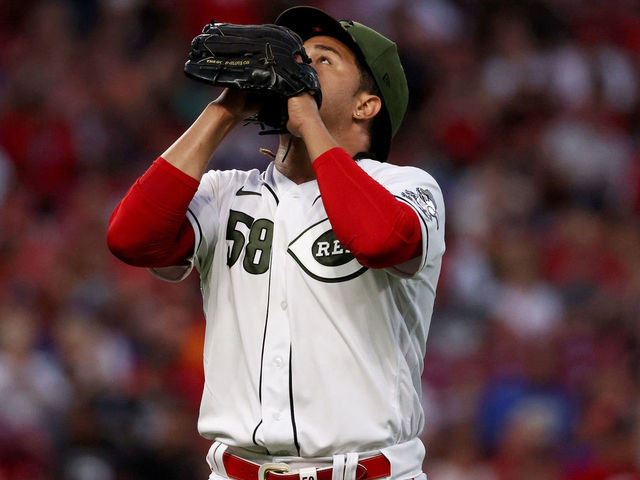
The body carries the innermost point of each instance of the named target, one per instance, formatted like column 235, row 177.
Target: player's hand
column 237, row 103
column 303, row 111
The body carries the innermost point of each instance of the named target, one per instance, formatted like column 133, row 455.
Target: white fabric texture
column 214, row 458
column 351, row 466
column 308, row 474
column 338, row 466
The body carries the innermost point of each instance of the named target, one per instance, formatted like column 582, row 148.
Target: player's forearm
column 317, row 138
column 193, row 150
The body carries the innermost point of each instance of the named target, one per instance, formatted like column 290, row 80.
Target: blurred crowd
column 526, row 112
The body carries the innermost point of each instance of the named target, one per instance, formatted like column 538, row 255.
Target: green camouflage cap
column 375, row 51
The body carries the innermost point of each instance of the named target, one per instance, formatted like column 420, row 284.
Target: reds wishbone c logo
column 321, row 255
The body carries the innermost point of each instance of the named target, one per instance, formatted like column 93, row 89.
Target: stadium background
column 526, row 112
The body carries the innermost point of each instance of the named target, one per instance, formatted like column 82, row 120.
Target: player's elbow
column 386, row 254
column 142, row 247
column 131, row 245
column 124, row 246
column 399, row 243
column 369, row 251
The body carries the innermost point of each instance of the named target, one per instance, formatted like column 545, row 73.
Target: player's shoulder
column 221, row 181
column 232, row 175
column 388, row 172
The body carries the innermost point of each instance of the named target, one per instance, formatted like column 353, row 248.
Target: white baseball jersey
column 307, row 352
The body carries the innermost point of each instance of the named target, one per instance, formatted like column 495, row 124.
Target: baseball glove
column 266, row 60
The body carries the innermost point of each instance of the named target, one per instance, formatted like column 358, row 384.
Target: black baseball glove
column 266, row 60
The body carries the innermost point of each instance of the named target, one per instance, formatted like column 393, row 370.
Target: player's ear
column 367, row 106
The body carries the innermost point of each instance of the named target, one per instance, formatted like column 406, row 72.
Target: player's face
column 339, row 78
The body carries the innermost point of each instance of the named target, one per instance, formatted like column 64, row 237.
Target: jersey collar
column 283, row 186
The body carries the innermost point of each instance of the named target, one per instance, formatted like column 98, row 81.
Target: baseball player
column 318, row 274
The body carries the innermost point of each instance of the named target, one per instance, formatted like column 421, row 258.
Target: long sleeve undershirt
column 149, row 227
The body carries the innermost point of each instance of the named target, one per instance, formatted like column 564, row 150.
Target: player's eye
column 324, row 59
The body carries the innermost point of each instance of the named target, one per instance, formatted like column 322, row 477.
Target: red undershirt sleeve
column 149, row 228
column 377, row 228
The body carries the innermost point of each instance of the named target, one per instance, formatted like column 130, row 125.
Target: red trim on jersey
column 149, row 227
column 376, row 227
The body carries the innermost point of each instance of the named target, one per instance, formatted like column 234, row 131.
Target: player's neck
column 292, row 160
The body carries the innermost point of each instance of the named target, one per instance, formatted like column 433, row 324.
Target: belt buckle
column 271, row 467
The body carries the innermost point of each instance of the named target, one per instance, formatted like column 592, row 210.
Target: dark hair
column 367, row 83
column 379, row 126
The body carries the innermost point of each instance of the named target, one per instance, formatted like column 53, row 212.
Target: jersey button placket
column 277, row 431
